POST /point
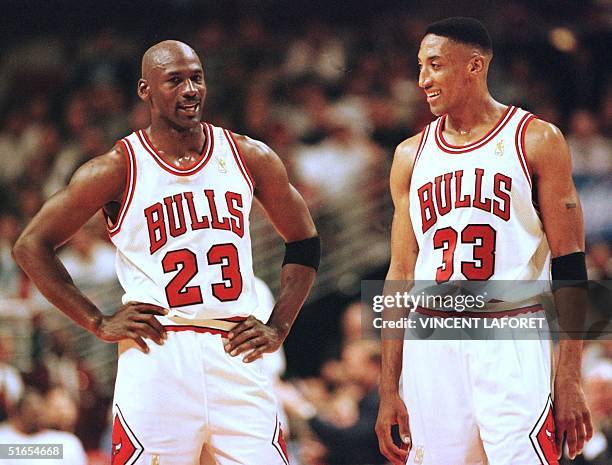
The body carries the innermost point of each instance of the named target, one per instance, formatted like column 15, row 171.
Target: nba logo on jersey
column 419, row 453
column 499, row 148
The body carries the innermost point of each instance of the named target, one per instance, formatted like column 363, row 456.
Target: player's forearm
column 392, row 346
column 571, row 303
column 570, row 359
column 50, row 276
column 391, row 366
column 296, row 282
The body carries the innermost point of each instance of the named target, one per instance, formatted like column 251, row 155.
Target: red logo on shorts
column 543, row 436
column 126, row 448
column 281, row 442
column 278, row 441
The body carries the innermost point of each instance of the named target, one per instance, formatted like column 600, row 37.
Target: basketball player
column 190, row 387
column 462, row 191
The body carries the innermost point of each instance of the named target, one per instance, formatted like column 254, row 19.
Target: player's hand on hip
column 253, row 338
column 572, row 415
column 392, row 411
column 136, row 321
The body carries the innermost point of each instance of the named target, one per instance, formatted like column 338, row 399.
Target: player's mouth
column 189, row 108
column 432, row 95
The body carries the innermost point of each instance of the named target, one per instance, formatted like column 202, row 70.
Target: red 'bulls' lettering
column 171, row 219
column 157, row 226
column 436, row 199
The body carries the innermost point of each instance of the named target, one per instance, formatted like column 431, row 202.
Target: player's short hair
column 461, row 29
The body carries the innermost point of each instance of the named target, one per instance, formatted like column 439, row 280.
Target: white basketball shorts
column 479, row 402
column 188, row 402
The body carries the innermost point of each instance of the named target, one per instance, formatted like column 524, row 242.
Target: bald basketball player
column 176, row 197
column 484, row 192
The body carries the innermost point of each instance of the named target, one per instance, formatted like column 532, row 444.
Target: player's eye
column 435, row 65
column 197, row 78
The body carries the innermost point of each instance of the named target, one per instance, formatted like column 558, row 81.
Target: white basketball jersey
column 182, row 235
column 472, row 209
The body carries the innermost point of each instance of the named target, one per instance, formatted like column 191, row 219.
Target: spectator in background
column 317, row 51
column 18, row 142
column 353, row 327
column 43, row 158
column 25, row 427
column 599, row 261
column 345, row 426
column 605, row 116
column 61, row 412
column 11, row 385
column 598, row 390
column 105, row 60
column 60, row 367
column 340, row 173
column 11, row 276
column 89, row 260
column 592, row 151
column 88, row 142
column 107, row 105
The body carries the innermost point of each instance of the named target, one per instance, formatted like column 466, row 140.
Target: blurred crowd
column 333, row 99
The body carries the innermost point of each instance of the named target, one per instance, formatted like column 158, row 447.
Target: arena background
column 331, row 86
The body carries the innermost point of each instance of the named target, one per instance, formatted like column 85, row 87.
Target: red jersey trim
column 456, row 149
column 519, row 142
column 206, row 153
column 130, row 185
column 422, row 142
column 455, row 314
column 242, row 166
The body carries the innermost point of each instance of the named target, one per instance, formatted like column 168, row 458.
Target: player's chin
column 437, row 109
column 188, row 121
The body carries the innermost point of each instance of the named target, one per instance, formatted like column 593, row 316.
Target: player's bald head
column 165, row 53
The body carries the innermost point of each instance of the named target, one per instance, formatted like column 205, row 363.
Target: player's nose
column 189, row 89
column 424, row 79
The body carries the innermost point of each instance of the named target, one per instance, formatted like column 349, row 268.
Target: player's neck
column 479, row 113
column 173, row 142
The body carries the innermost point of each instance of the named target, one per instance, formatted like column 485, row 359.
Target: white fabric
column 189, row 395
column 480, row 404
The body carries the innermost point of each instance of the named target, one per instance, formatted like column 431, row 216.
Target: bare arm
column 404, row 251
column 289, row 214
column 550, row 161
column 97, row 183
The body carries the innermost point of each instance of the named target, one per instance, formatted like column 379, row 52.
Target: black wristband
column 569, row 271
column 306, row 252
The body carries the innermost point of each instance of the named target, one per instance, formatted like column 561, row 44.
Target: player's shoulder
column 109, row 164
column 543, row 139
column 545, row 147
column 260, row 159
column 250, row 146
column 542, row 132
column 407, row 150
column 104, row 176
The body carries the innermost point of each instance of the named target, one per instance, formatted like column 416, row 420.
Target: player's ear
column 477, row 63
column 143, row 90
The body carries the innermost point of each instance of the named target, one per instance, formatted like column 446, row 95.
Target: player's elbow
column 23, row 249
